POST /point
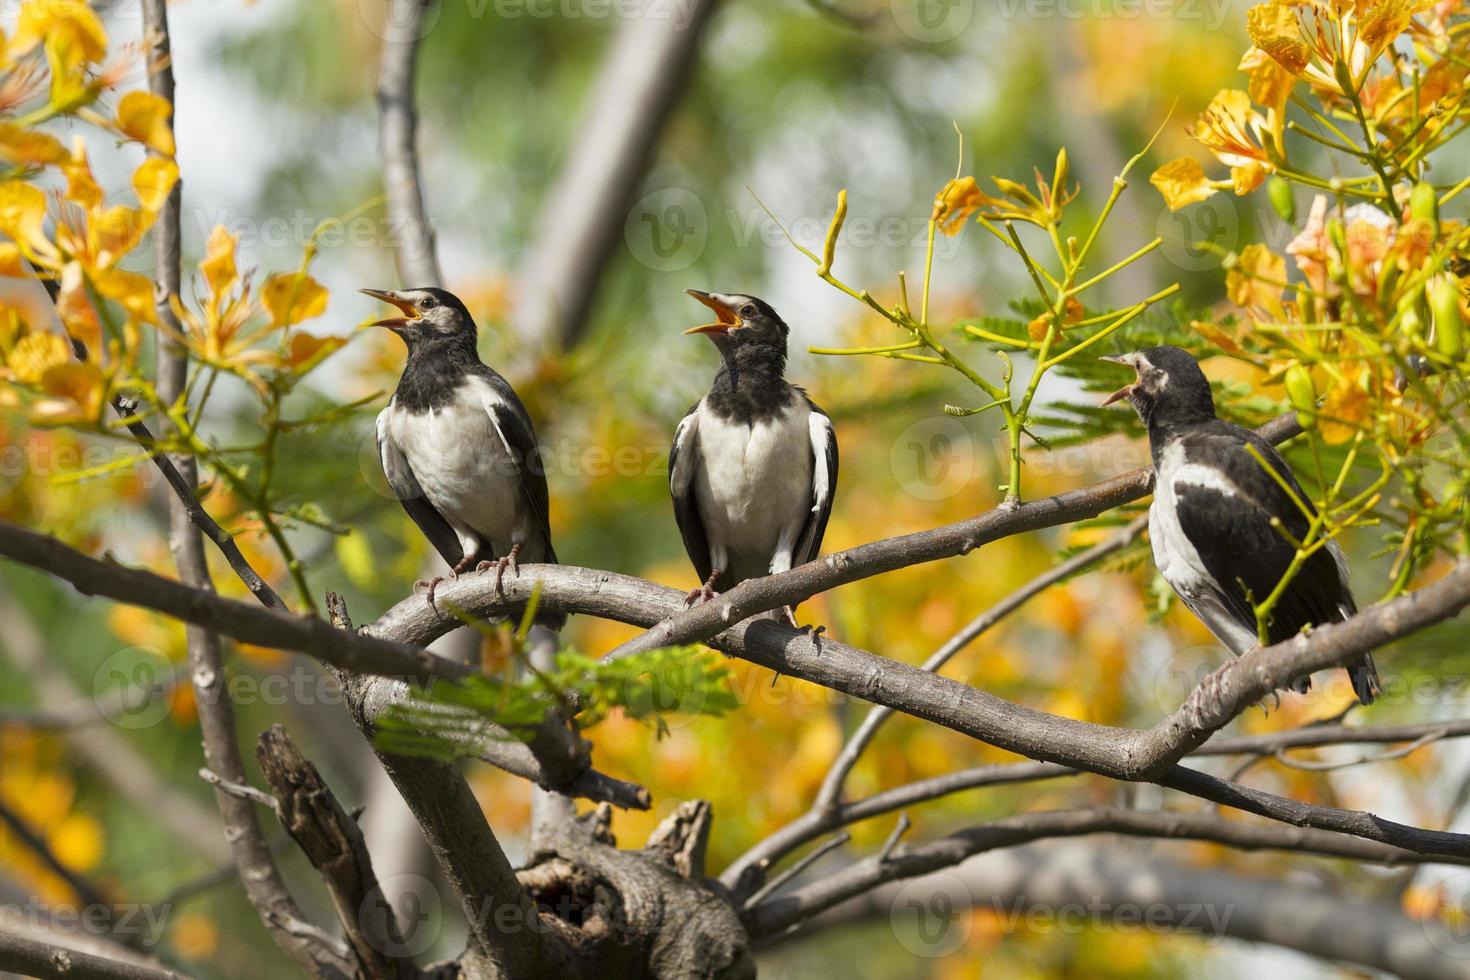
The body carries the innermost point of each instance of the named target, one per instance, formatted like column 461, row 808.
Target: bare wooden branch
column 1117, row 752
column 333, row 843
column 33, row 958
column 609, row 149
column 1113, row 883
column 780, row 913
column 744, row 875
column 830, row 792
column 258, row 871
column 757, row 595
column 418, row 264
column 1310, row 736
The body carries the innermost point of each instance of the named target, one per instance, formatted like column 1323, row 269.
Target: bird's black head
column 429, row 315
column 1170, row 390
column 742, row 323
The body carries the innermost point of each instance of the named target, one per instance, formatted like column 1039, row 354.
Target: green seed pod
column 1410, row 322
column 1303, row 394
column 1424, row 204
column 1279, row 191
column 1449, row 324
column 1344, row 76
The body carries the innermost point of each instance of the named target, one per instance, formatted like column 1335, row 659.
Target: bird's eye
column 747, row 310
column 428, row 303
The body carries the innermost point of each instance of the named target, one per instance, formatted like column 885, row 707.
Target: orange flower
column 1232, row 130
column 1182, row 182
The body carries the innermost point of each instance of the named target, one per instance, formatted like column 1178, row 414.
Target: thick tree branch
column 1120, row 753
column 471, row 859
column 778, row 914
column 418, row 265
column 609, row 149
column 333, row 843
column 1059, row 885
column 759, row 595
column 204, row 608
column 258, row 872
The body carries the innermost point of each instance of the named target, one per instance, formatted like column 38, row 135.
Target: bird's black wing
column 824, row 485
column 1232, row 532
column 513, row 424
column 683, row 459
column 410, row 494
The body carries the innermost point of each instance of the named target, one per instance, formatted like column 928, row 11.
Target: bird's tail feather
column 1364, row 676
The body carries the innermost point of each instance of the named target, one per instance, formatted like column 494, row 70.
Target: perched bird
column 457, row 445
column 1210, row 524
column 753, row 468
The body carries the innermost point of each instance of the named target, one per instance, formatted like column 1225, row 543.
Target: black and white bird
column 753, row 468
column 1211, row 521
column 457, row 445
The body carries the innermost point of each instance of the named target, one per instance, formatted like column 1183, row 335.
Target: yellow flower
column 68, row 23
column 293, row 297
column 1270, row 84
column 81, row 186
column 144, row 116
column 195, row 936
column 956, row 201
column 77, row 389
column 218, row 265
column 1257, row 279
column 27, row 147
column 1231, row 130
column 1275, row 30
column 77, row 842
column 22, row 213
column 34, row 354
column 1182, row 182
column 154, row 180
column 1382, row 21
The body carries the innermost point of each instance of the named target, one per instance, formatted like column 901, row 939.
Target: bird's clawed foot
column 705, row 592
column 430, row 584
column 500, row 565
column 1205, row 701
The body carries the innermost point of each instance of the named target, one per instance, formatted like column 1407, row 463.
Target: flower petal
column 1182, row 182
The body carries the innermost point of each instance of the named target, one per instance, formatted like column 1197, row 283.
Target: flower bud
column 1424, row 204
column 1449, row 324
column 1303, row 394
column 1279, row 191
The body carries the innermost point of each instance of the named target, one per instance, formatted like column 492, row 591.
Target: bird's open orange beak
column 1126, row 390
column 726, row 318
column 393, row 299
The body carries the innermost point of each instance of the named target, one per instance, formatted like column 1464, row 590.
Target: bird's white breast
column 753, row 482
column 1177, row 558
column 464, row 466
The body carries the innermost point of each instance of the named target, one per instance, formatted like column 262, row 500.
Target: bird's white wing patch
column 820, row 427
column 493, row 405
column 395, row 465
column 684, row 439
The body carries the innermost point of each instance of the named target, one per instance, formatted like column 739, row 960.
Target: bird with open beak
column 1218, row 516
column 753, row 468
column 457, row 445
